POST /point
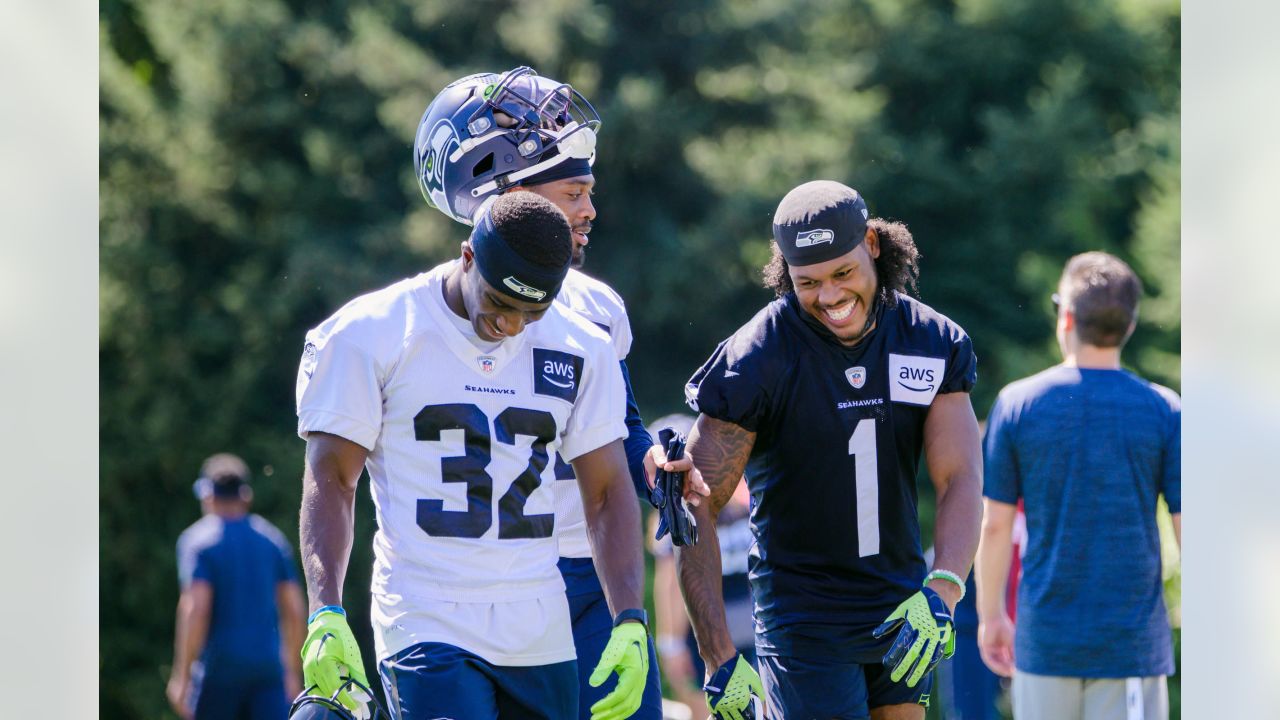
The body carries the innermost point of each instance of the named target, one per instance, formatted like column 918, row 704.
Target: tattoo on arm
column 720, row 451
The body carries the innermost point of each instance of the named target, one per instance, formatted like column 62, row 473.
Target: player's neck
column 1092, row 357
column 230, row 511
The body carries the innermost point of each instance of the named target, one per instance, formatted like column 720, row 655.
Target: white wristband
column 949, row 577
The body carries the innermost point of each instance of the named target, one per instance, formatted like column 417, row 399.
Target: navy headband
column 508, row 272
column 573, row 167
column 819, row 221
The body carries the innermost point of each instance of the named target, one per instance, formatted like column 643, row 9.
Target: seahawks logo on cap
column 528, row 291
column 810, row 238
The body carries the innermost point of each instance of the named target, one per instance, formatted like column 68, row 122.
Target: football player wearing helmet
column 488, row 134
column 826, row 399
column 455, row 389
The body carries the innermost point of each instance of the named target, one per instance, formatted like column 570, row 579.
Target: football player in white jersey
column 500, row 149
column 455, row 389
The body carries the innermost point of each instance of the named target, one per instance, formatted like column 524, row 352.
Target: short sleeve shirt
column 1089, row 452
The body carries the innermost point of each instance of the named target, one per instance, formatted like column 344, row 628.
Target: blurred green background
column 256, row 173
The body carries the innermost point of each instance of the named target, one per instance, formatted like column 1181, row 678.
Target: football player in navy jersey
column 826, row 399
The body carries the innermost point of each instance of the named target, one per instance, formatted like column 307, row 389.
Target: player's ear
column 468, row 255
column 873, row 243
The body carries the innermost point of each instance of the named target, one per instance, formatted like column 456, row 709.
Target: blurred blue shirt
column 244, row 559
column 1089, row 451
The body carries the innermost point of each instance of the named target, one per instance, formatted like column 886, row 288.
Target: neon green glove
column 734, row 692
column 627, row 654
column 330, row 657
column 927, row 636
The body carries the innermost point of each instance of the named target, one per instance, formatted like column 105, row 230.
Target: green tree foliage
column 255, row 174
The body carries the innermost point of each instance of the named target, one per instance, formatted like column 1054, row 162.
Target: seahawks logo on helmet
column 433, row 150
column 485, row 133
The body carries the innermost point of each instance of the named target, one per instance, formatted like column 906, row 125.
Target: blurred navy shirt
column 1089, row 451
column 244, row 560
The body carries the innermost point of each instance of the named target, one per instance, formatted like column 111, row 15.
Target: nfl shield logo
column 486, row 364
column 857, row 376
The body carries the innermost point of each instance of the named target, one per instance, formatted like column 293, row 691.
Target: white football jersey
column 598, row 303
column 461, row 444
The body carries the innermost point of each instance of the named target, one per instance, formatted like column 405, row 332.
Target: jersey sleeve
column 1000, row 467
column 598, row 416
column 339, row 390
column 731, row 387
column 203, row 569
column 1171, row 462
column 620, row 332
column 962, row 364
column 186, row 562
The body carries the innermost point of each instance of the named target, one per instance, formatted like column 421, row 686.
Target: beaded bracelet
column 949, row 577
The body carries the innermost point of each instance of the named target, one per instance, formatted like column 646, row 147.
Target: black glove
column 667, row 495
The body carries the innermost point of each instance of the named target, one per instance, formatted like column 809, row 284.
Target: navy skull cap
column 819, row 221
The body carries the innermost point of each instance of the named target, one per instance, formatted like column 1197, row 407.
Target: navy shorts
column 238, row 696
column 592, row 625
column 435, row 680
column 799, row 689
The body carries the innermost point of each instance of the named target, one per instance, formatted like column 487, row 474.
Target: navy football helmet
column 485, row 133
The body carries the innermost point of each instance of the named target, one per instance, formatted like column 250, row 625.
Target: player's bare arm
column 613, row 524
column 995, row 553
column 720, row 450
column 195, row 607
column 293, row 626
column 954, row 455
column 326, row 527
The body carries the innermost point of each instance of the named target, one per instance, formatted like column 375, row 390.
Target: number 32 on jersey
column 431, row 425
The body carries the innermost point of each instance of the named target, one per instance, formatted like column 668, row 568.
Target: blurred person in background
column 681, row 664
column 1088, row 448
column 240, row 616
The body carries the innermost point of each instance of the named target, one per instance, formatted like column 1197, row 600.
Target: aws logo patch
column 914, row 379
column 556, row 374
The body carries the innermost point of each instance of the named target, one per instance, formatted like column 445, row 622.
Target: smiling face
column 573, row 197
column 839, row 293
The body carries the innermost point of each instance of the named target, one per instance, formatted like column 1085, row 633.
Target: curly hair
column 897, row 268
column 534, row 227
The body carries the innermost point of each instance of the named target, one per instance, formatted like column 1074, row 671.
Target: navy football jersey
column 839, row 432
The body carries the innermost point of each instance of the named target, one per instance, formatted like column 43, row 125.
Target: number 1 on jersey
column 862, row 446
